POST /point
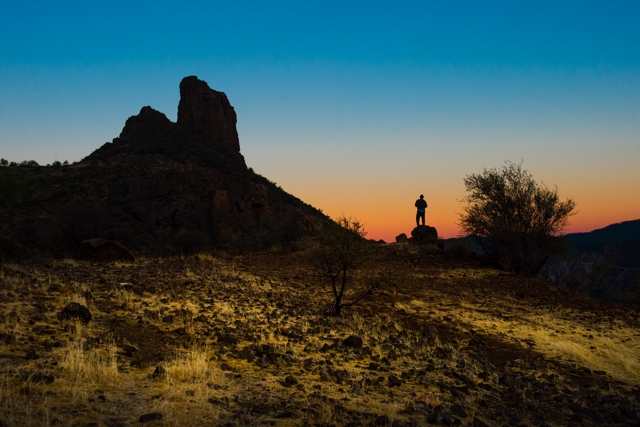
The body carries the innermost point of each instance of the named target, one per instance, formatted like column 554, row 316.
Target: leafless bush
column 339, row 260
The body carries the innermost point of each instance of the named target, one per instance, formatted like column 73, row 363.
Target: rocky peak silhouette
column 208, row 112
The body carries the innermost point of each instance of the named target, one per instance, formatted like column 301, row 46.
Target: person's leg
column 422, row 217
column 418, row 219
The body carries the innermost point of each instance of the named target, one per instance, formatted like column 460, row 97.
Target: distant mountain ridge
column 605, row 263
column 614, row 234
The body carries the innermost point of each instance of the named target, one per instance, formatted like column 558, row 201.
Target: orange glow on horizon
column 387, row 223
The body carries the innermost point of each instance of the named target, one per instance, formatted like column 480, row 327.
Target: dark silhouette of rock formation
column 204, row 110
column 424, row 235
column 160, row 185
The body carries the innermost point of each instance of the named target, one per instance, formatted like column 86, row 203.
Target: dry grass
column 97, row 366
column 98, row 383
column 615, row 350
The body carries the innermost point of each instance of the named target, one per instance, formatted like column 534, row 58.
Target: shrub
column 459, row 248
column 515, row 219
column 29, row 163
column 432, row 249
column 339, row 258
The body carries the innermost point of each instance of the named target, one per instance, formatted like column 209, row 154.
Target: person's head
column 422, row 196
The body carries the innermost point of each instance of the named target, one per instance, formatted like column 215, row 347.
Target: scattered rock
column 424, row 235
column 106, row 250
column 382, row 420
column 340, row 375
column 394, row 381
column 153, row 416
column 7, row 338
column 75, row 310
column 285, row 414
column 226, row 367
column 477, row 422
column 32, row 355
column 402, row 239
column 290, row 381
column 458, row 410
column 430, row 332
column 246, row 353
column 324, row 376
column 353, row 341
column 129, row 350
column 228, row 339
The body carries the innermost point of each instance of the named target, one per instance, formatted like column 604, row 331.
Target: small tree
column 516, row 220
column 340, row 255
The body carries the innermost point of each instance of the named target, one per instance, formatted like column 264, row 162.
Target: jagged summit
column 205, row 132
column 161, row 184
column 147, row 121
column 204, row 110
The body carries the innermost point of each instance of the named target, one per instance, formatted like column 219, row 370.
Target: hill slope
column 624, row 232
column 160, row 184
column 247, row 341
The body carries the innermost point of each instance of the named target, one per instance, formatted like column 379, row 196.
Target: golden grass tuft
column 613, row 350
column 97, row 366
column 190, row 366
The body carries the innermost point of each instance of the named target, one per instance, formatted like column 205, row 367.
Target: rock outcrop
column 402, row 239
column 206, row 111
column 424, row 235
column 106, row 250
column 160, row 186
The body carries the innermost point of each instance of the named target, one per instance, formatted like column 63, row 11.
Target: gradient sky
column 354, row 107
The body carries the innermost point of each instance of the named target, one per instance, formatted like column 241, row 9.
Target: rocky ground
column 247, row 340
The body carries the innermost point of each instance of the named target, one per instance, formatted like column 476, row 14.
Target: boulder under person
column 421, row 204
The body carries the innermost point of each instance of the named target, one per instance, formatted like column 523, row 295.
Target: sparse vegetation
column 338, row 258
column 216, row 339
column 515, row 219
column 459, row 249
column 14, row 186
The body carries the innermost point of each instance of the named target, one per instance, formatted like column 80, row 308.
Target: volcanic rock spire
column 206, row 111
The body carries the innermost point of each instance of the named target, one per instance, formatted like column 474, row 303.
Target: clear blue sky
column 355, row 107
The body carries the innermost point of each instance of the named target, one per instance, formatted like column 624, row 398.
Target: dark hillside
column 604, row 264
column 624, row 232
column 158, row 186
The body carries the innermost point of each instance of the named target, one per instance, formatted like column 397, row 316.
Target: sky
column 355, row 107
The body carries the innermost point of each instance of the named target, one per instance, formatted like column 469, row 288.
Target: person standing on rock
column 421, row 204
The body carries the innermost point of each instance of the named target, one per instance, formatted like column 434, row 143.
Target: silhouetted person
column 421, row 204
